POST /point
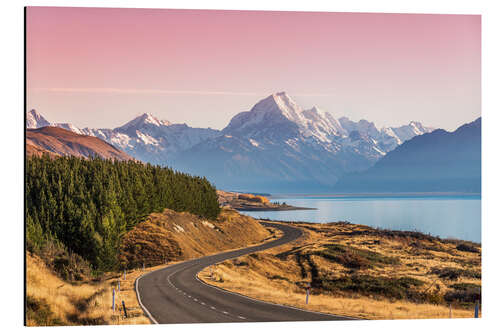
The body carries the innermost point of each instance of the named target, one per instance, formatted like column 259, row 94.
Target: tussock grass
column 53, row 301
column 362, row 272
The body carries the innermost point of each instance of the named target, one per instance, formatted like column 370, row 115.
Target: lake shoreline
column 382, row 230
column 271, row 209
column 447, row 217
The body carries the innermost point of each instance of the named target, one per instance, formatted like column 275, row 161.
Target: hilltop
column 60, row 142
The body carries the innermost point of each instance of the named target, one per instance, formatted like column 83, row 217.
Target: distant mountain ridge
column 434, row 162
column 60, row 142
column 276, row 145
column 144, row 137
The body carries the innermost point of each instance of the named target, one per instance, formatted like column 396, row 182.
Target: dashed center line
column 212, row 307
column 224, row 312
column 241, row 317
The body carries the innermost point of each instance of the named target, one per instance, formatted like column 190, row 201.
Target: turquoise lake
column 444, row 216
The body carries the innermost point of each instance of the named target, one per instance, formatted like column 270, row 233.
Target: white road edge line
column 150, row 316
column 258, row 300
column 139, row 299
column 220, row 289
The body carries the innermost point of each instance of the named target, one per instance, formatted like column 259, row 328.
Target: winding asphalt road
column 175, row 295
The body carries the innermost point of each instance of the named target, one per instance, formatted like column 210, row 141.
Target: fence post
column 307, row 292
column 476, row 310
column 450, row 310
column 124, row 309
column 113, row 299
column 124, row 274
column 118, row 285
column 142, row 266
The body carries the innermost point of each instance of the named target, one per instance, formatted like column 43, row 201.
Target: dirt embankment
column 167, row 236
column 359, row 271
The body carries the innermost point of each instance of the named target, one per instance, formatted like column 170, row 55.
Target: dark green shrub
column 467, row 248
column 38, row 311
column 465, row 286
column 355, row 258
column 464, row 296
column 398, row 288
column 279, row 277
column 451, row 273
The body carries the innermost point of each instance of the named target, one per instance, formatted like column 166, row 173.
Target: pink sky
column 100, row 67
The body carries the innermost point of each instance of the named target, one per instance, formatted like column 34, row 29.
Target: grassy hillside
column 179, row 236
column 359, row 271
column 52, row 300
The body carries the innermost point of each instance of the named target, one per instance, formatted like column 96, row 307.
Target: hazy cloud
column 166, row 92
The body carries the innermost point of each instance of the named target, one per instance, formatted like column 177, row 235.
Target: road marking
column 251, row 249
column 224, row 312
column 139, row 298
column 195, row 299
column 202, row 303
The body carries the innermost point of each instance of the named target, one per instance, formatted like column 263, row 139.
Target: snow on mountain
column 142, row 120
column 363, row 126
column 395, row 136
column 69, row 127
column 407, row 132
column 35, row 120
column 279, row 145
column 439, row 161
column 276, row 143
column 145, row 137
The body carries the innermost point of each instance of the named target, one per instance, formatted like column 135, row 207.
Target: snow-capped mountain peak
column 142, row 120
column 279, row 102
column 35, row 120
column 69, row 127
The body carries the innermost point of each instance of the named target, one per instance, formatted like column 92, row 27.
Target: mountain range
column 434, row 162
column 60, row 142
column 275, row 146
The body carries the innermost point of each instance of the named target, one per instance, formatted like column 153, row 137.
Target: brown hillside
column 62, row 142
column 37, row 151
column 171, row 236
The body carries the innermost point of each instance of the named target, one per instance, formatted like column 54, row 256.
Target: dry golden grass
column 86, row 303
column 265, row 276
column 90, row 303
column 180, row 236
